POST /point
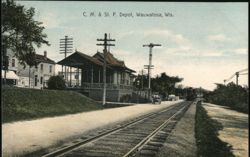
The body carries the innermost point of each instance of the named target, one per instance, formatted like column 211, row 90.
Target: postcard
column 82, row 78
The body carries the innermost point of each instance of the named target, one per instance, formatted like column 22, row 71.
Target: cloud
column 192, row 51
column 125, row 34
column 182, row 46
column 124, row 53
column 211, row 53
column 177, row 38
column 241, row 51
column 50, row 20
column 218, row 38
column 53, row 20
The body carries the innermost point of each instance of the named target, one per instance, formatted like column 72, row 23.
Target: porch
column 88, row 73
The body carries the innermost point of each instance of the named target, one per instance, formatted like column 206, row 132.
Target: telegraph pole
column 237, row 77
column 105, row 44
column 149, row 66
column 66, row 45
column 142, row 74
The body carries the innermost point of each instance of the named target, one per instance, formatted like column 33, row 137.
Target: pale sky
column 204, row 43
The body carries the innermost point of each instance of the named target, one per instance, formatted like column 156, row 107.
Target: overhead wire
column 229, row 78
column 239, row 73
column 242, row 70
column 243, row 74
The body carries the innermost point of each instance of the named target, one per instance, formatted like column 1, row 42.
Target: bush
column 231, row 95
column 56, row 82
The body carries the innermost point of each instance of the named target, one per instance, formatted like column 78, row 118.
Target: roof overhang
column 10, row 75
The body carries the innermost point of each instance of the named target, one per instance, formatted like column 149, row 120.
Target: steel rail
column 64, row 150
column 150, row 136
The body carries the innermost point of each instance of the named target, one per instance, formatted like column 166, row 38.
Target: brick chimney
column 45, row 54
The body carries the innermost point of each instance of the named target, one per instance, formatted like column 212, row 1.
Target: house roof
column 43, row 59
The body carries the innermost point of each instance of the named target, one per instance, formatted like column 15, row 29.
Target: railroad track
column 141, row 137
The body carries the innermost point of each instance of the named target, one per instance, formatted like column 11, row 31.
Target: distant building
column 119, row 77
column 11, row 76
column 36, row 77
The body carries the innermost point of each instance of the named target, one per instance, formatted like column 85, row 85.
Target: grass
column 25, row 104
column 206, row 134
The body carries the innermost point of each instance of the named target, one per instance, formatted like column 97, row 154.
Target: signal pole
column 105, row 44
column 149, row 67
column 66, row 46
column 142, row 74
column 237, row 77
column 151, row 45
column 241, row 72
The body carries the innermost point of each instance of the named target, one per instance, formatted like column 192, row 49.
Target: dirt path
column 28, row 136
column 235, row 127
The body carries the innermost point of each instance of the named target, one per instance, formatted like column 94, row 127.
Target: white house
column 10, row 74
column 36, row 77
column 31, row 77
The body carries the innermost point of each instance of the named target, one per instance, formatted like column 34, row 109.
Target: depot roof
column 79, row 59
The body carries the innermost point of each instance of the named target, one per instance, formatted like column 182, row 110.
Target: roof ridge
column 43, row 58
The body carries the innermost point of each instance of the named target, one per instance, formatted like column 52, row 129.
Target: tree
column 165, row 84
column 20, row 32
column 141, row 82
column 232, row 95
column 56, row 82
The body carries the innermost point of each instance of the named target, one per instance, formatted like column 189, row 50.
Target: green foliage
column 56, row 82
column 206, row 134
column 162, row 84
column 165, row 84
column 24, row 104
column 232, row 95
column 141, row 81
column 20, row 32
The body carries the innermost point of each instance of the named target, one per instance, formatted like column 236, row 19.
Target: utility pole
column 241, row 72
column 149, row 66
column 237, row 77
column 142, row 74
column 109, row 43
column 105, row 44
column 66, row 45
